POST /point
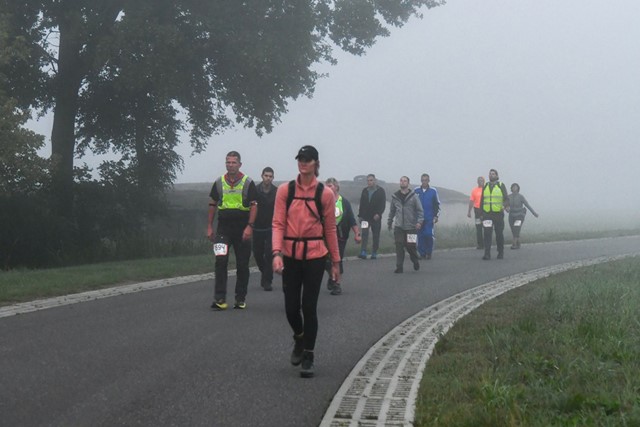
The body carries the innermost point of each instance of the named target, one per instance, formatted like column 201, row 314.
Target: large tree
column 130, row 75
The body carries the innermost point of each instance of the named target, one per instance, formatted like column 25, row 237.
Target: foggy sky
column 545, row 91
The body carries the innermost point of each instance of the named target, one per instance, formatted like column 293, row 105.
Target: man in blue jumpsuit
column 431, row 206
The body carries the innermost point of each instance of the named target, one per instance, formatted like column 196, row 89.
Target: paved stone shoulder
column 382, row 388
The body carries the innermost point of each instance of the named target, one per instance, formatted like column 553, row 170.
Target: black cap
column 308, row 152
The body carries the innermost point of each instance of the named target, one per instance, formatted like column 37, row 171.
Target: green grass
column 563, row 351
column 26, row 285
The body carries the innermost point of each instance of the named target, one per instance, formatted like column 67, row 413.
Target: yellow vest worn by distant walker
column 339, row 210
column 493, row 198
column 232, row 197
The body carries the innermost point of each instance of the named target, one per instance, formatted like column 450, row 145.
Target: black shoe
column 330, row 284
column 266, row 285
column 240, row 305
column 363, row 255
column 296, row 354
column 479, row 247
column 307, row 364
column 416, row 265
column 486, row 257
column 500, row 255
column 337, row 290
column 398, row 270
column 428, row 256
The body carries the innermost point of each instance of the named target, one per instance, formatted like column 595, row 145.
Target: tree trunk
column 67, row 86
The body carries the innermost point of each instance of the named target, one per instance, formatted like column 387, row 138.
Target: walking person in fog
column 518, row 206
column 304, row 232
column 474, row 203
column 405, row 217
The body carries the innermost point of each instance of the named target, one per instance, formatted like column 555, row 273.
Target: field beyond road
column 562, row 351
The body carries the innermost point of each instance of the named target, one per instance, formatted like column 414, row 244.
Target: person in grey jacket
column 405, row 217
column 518, row 206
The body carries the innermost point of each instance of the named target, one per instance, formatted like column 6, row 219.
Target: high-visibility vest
column 339, row 210
column 232, row 197
column 493, row 199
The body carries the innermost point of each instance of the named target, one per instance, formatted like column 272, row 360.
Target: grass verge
column 563, row 351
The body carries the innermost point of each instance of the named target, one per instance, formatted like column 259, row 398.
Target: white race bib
column 517, row 223
column 220, row 249
column 364, row 224
column 338, row 212
column 487, row 223
column 412, row 238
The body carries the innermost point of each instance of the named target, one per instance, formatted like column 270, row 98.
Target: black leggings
column 301, row 281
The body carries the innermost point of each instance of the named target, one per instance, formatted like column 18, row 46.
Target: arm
column 212, row 214
column 436, row 206
column 248, row 230
column 278, row 225
column 392, row 214
column 470, row 208
column 420, row 214
column 381, row 203
column 351, row 220
column 524, row 200
column 331, row 233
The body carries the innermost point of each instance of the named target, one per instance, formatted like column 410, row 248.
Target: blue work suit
column 431, row 206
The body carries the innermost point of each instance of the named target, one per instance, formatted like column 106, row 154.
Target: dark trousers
column 374, row 226
column 498, row 225
column 400, row 238
column 263, row 254
column 232, row 236
column 515, row 229
column 301, row 281
column 479, row 234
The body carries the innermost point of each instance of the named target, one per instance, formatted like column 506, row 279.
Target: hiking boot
column 500, row 255
column 330, row 284
column 363, row 255
column 337, row 290
column 416, row 265
column 374, row 255
column 219, row 305
column 296, row 354
column 398, row 270
column 266, row 285
column 307, row 364
column 486, row 257
column 240, row 305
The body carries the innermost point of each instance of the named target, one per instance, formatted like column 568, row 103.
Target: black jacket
column 377, row 205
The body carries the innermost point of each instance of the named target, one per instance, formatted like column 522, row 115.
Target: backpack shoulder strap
column 291, row 194
column 318, row 199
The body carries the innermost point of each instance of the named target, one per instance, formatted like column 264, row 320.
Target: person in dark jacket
column 345, row 222
column 266, row 198
column 372, row 205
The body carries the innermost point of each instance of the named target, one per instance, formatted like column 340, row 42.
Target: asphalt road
column 162, row 357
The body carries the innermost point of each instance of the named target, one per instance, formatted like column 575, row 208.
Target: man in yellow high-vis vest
column 233, row 197
column 493, row 203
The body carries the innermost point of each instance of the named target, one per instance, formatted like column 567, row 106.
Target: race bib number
column 478, row 221
column 412, row 238
column 517, row 223
column 220, row 249
column 487, row 223
column 338, row 212
column 364, row 224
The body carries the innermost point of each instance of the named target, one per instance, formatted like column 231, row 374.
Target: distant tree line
column 129, row 77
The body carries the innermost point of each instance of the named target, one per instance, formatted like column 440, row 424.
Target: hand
column 376, row 217
column 277, row 264
column 536, row 215
column 211, row 235
column 247, row 233
column 435, row 220
column 468, row 214
column 357, row 237
column 335, row 272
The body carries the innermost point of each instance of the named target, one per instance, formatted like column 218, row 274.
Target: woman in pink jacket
column 304, row 232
